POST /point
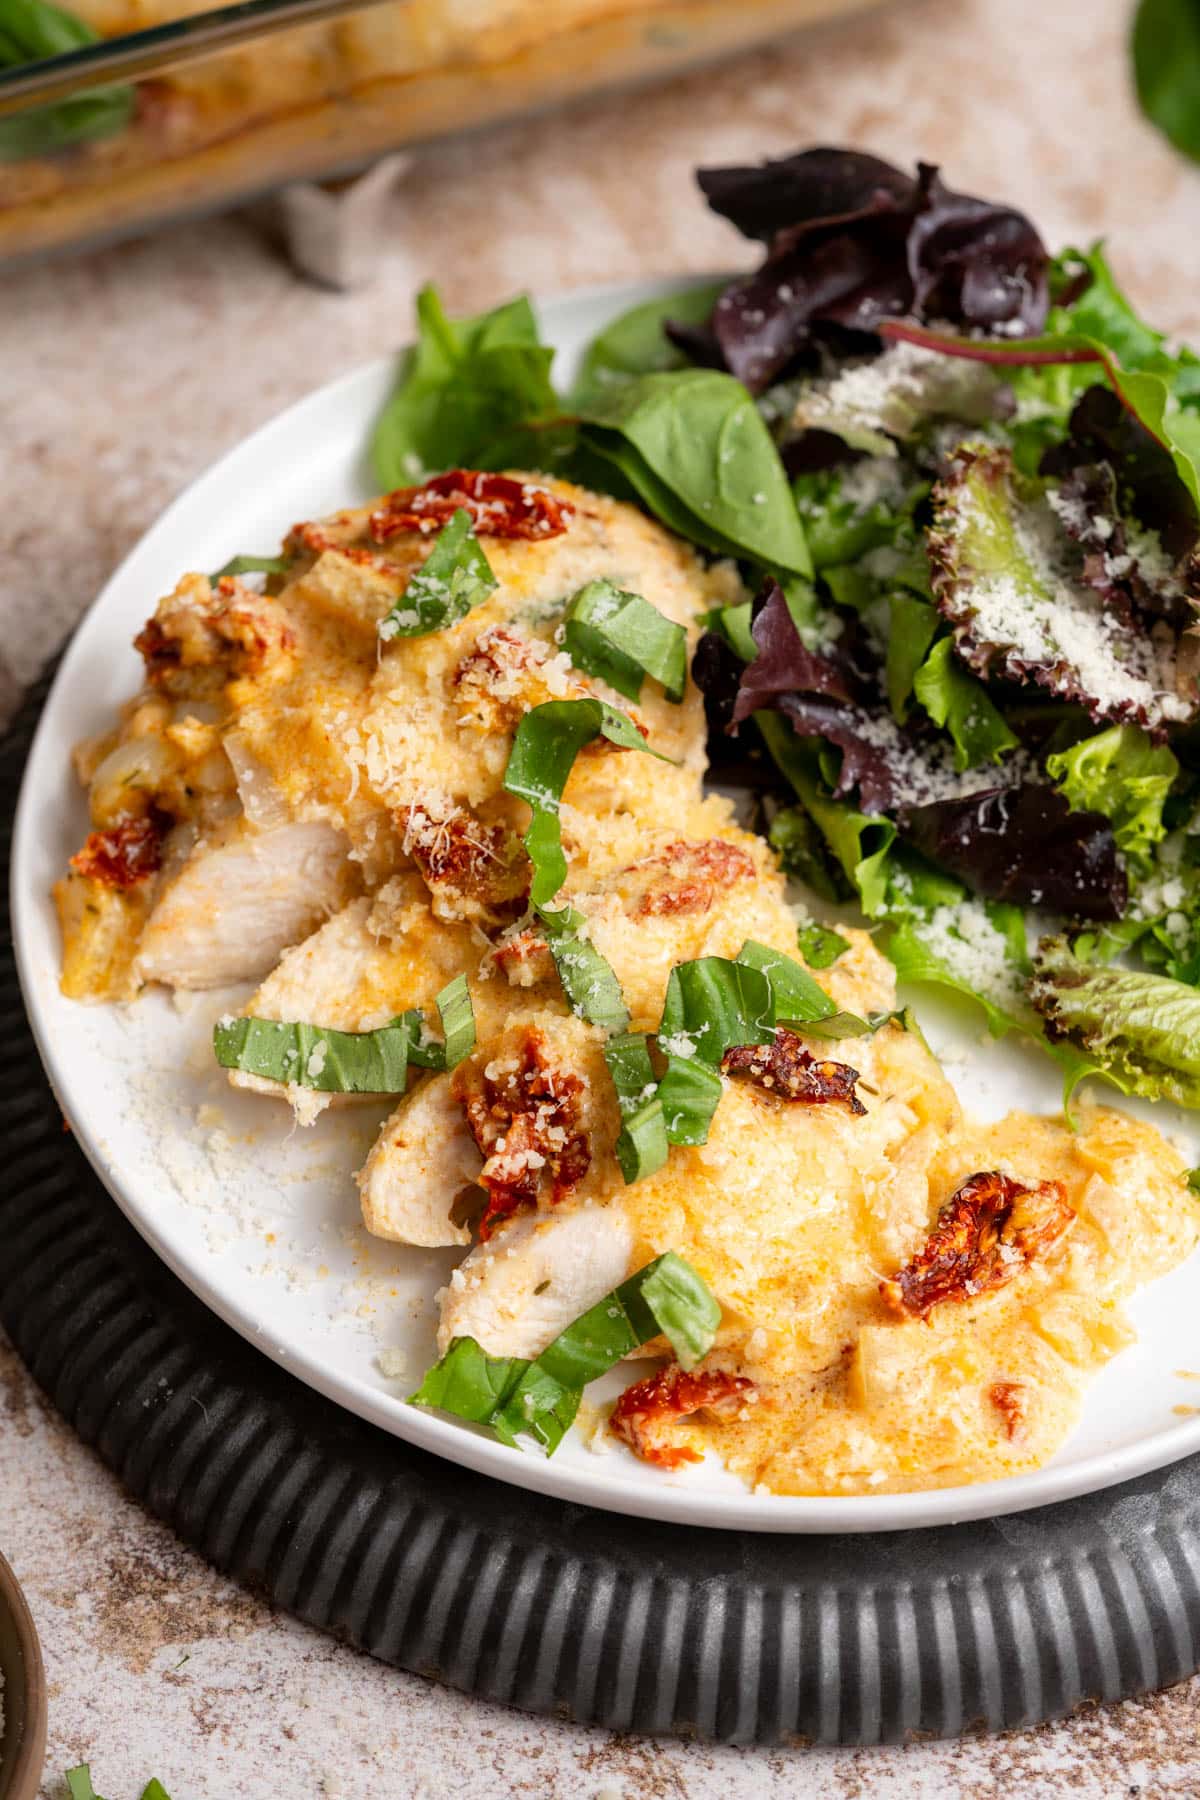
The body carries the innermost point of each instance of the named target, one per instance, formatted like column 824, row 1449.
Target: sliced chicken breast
column 240, row 900
column 419, row 1164
column 526, row 1284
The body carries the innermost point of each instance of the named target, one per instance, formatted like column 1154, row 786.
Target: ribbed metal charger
column 558, row 1609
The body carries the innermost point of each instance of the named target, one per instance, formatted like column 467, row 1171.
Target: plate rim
column 453, row 1440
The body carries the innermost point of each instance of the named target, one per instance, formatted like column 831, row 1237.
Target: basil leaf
column 310, row 1056
column 1192, row 1180
column 154, row 1790
column 955, row 700
column 641, row 1147
column 622, row 638
column 699, row 435
column 458, row 1023
column 540, row 1398
column 79, row 1783
column 795, row 997
column 711, row 1004
column 464, row 386
column 636, row 344
column 1166, row 67
column 469, row 1383
column 591, row 987
column 545, row 745
column 34, row 31
column 689, row 1094
column 454, row 577
column 819, row 946
column 251, row 565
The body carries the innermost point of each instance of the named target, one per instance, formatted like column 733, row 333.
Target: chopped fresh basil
column 454, row 577
column 310, row 1056
column 642, row 1146
column 348, row 1062
column 711, row 1004
column 458, row 1022
column 545, row 745
column 1192, row 1180
column 796, row 999
column 622, row 638
column 252, row 565
column 819, row 946
column 35, row 31
column 591, row 987
column 79, row 1786
column 539, row 1399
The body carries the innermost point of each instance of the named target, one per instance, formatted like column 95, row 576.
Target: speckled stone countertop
column 122, row 375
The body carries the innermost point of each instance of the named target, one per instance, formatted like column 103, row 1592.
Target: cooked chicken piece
column 528, row 1282
column 533, row 1103
column 240, row 900
column 420, row 1163
column 373, row 960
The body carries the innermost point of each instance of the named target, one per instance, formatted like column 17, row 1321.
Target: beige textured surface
column 121, row 376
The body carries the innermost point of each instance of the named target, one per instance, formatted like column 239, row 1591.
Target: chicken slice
column 376, row 958
column 528, row 1282
column 240, row 899
column 419, row 1164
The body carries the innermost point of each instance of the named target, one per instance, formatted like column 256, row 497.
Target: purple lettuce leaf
column 784, row 664
column 853, row 242
column 1024, row 844
column 868, row 743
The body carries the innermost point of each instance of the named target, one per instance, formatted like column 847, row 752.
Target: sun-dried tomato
column 126, row 853
column 785, row 1068
column 499, row 507
column 526, row 1123
column 472, row 870
column 160, row 653
column 1008, row 1397
column 645, row 1412
column 989, row 1230
column 687, row 876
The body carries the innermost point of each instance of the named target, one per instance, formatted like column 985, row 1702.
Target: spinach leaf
column 636, row 344
column 698, row 435
column 464, row 388
column 1166, row 69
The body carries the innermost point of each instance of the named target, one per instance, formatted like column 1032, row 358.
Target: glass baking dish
column 174, row 109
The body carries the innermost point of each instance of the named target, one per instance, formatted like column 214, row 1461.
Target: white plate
column 262, row 1221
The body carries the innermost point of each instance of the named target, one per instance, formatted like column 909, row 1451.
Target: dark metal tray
column 558, row 1609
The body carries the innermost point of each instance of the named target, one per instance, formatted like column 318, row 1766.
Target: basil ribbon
column 621, row 638
column 642, row 1146
column 297, row 1054
column 253, row 565
column 454, row 577
column 546, row 743
column 714, row 1004
column 510, row 1396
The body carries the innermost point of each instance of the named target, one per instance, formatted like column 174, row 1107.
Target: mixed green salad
column 960, row 478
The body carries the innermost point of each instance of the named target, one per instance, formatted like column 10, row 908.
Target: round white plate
column 261, row 1220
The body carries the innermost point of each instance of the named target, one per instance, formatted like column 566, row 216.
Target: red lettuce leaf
column 1024, row 844
column 784, row 664
column 853, row 242
column 867, row 742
